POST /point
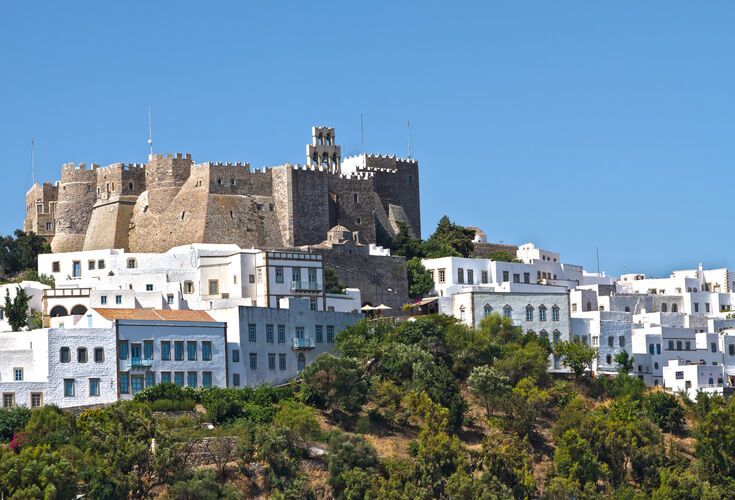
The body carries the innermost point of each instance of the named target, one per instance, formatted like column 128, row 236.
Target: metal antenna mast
column 33, row 160
column 410, row 149
column 150, row 131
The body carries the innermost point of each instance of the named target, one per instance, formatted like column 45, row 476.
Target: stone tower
column 40, row 207
column 164, row 176
column 76, row 197
column 323, row 150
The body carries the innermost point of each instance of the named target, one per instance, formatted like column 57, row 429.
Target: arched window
column 329, row 140
column 543, row 334
column 78, row 310
column 608, row 359
column 530, row 331
column 555, row 313
column 674, row 308
column 542, row 312
column 678, row 345
column 325, row 160
column 655, row 365
column 664, row 307
column 507, row 311
column 301, row 361
column 556, row 336
column 315, row 158
column 57, row 311
column 461, row 313
column 320, row 140
column 529, row 313
column 488, row 310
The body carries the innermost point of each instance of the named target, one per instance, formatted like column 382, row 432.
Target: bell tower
column 323, row 150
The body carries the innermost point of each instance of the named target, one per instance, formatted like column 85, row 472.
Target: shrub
column 171, row 392
column 172, row 405
column 13, row 420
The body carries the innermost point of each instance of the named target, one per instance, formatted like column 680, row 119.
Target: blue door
column 135, row 354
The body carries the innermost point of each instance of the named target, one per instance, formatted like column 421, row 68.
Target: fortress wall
column 164, row 176
column 76, row 198
column 247, row 221
column 120, row 179
column 46, row 195
column 309, row 198
column 401, row 188
column 355, row 205
column 110, row 223
column 283, row 194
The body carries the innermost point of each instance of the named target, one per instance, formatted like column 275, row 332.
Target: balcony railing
column 302, row 344
column 306, row 287
column 135, row 364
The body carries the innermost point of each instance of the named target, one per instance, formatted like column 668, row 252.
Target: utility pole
column 150, row 132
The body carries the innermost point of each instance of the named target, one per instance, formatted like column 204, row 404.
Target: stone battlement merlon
column 179, row 156
column 238, row 164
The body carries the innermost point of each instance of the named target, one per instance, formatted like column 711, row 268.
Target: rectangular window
column 271, row 361
column 330, row 334
column 253, row 360
column 621, row 341
column 312, row 278
column 319, row 333
column 8, row 399
column 99, row 354
column 165, row 377
column 103, row 300
column 483, row 277
column 147, row 349
column 124, row 383
column 150, row 379
column 442, row 275
column 118, row 299
column 179, row 350
column 55, row 267
column 136, row 384
column 251, row 333
column 236, row 355
column 179, row 379
column 526, row 277
column 279, row 274
column 658, row 348
column 100, row 264
column 312, row 304
column 206, row 350
column 191, row 350
column 516, row 278
column 166, row 350
column 299, row 332
column 36, row 399
column 191, row 379
column 236, row 379
column 170, row 299
column 282, row 361
column 76, row 269
column 207, row 379
column 149, row 287
column 213, row 287
column 713, row 346
column 123, row 349
column 470, row 276
column 460, row 275
column 731, row 349
column 696, row 307
column 94, row 387
column 251, row 278
column 81, row 355
column 651, row 349
column 506, row 276
column 296, row 275
column 281, row 334
column 269, row 333
column 18, row 374
column 611, row 341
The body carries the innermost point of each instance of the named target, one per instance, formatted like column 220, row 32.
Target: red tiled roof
column 155, row 314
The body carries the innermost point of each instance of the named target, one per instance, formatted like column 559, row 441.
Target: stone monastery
column 172, row 201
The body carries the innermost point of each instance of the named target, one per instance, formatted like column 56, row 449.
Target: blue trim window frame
column 206, row 350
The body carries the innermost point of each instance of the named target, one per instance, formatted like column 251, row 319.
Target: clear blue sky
column 569, row 124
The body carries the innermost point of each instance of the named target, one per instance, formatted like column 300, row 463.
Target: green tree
column 331, row 281
column 364, row 339
column 337, row 382
column 503, row 256
column 664, row 409
column 279, row 452
column 21, row 251
column 625, row 361
column 347, row 453
column 576, row 356
column 36, row 472
column 716, row 444
column 449, row 239
column 490, row 387
column 12, row 420
column 574, row 458
column 420, row 281
column 678, row 483
column 299, row 419
column 404, row 244
column 17, row 309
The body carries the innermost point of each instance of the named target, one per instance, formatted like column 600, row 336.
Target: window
column 526, row 277
column 253, row 360
column 281, row 334
column 674, row 308
column 621, row 341
column 442, row 275
column 460, row 275
column 147, row 349
column 281, row 361
column 81, row 355
column 655, row 365
column 610, row 341
column 731, row 349
column 713, row 346
column 213, row 287
column 103, row 299
column 678, row 345
column 555, row 313
column 94, row 387
column 206, row 350
column 165, row 377
column 191, row 379
column 516, row 278
column 251, row 278
column 271, row 361
column 76, row 269
column 132, row 264
column 179, row 350
column 651, row 349
column 64, row 355
column 188, row 287
column 8, row 399
column 483, row 276
column 627, row 309
column 608, row 359
column 299, row 332
column 696, row 307
column 671, row 345
column 170, row 299
column 100, row 264
column 55, row 267
column 574, row 307
column 487, row 310
column 150, row 379
column 556, row 336
column 312, row 304
column 506, row 276
column 529, row 313
column 542, row 313
column 18, row 374
column 91, row 265
column 191, row 350
column 355, row 197
column 706, row 306
column 296, row 275
column 279, row 275
column 251, row 333
column 319, row 329
column 236, row 379
column 206, row 379
column 36, row 399
column 179, row 379
column 69, row 386
column 118, row 299
column 664, row 307
column 330, row 334
column 508, row 311
column 165, row 350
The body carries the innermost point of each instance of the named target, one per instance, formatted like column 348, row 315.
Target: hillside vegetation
column 418, row 409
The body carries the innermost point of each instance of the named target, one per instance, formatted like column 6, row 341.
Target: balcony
column 135, row 364
column 306, row 287
column 302, row 344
